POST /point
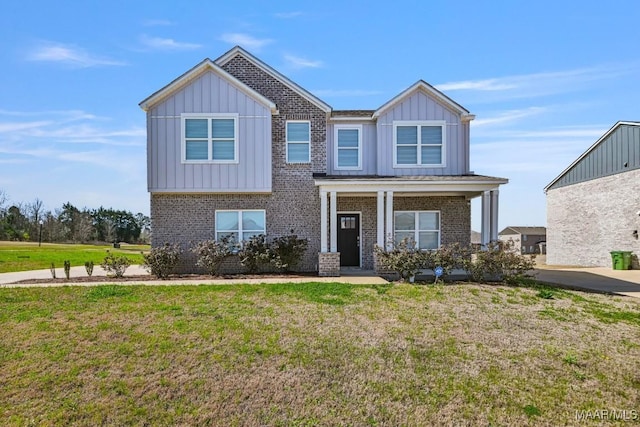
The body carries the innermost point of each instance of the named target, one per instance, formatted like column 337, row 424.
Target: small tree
column 161, row 261
column 115, row 264
column 286, row 252
column 211, row 253
column 254, row 253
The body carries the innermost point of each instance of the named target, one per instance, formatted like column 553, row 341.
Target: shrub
column 211, row 253
column 286, row 252
column 88, row 266
column 52, row 269
column 67, row 269
column 115, row 264
column 500, row 262
column 448, row 257
column 255, row 253
column 404, row 258
column 161, row 261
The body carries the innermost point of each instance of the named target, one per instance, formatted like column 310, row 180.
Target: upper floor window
column 348, row 147
column 298, row 141
column 209, row 138
column 422, row 227
column 419, row 143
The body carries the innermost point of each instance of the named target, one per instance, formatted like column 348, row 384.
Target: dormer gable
column 427, row 89
column 207, row 65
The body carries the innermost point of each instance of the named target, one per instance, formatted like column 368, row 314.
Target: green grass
column 314, row 354
column 21, row 256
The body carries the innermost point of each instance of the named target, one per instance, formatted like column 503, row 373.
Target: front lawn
column 24, row 256
column 315, row 354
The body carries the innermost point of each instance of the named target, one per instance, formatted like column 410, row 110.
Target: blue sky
column 544, row 79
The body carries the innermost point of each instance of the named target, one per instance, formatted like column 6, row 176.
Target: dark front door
column 349, row 239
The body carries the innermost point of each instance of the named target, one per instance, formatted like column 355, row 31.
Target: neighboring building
column 593, row 206
column 527, row 240
column 236, row 148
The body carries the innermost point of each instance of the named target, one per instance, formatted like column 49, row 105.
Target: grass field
column 23, row 256
column 315, row 354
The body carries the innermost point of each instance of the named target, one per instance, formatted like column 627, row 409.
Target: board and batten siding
column 618, row 152
column 420, row 106
column 368, row 150
column 209, row 93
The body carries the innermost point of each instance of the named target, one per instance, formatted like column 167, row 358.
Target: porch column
column 389, row 227
column 323, row 221
column 333, row 218
column 494, row 215
column 380, row 222
column 485, row 234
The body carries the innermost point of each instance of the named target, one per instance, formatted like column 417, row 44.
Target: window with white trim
column 423, row 227
column 348, row 147
column 298, row 141
column 419, row 143
column 240, row 225
column 209, row 138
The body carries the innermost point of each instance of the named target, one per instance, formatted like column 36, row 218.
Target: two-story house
column 234, row 148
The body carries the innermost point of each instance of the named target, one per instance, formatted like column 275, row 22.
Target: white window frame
column 419, row 123
column 287, row 142
column 336, row 149
column 210, row 139
column 416, row 225
column 240, row 230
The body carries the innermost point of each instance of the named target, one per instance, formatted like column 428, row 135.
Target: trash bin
column 626, row 259
column 621, row 260
column 616, row 260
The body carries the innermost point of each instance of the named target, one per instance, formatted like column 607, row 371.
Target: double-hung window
column 421, row 227
column 348, row 147
column 209, row 138
column 240, row 225
column 298, row 141
column 419, row 143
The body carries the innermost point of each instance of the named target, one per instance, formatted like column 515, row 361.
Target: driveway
column 595, row 279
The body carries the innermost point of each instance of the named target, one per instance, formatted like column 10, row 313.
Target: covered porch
column 358, row 213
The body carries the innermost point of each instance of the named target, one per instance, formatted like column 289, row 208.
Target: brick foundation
column 329, row 264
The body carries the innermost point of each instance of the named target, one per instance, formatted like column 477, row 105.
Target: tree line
column 31, row 222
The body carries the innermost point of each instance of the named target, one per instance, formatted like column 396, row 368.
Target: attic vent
column 297, row 117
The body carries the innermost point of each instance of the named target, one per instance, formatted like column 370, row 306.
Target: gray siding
column 369, row 166
column 618, row 152
column 209, row 93
column 420, row 106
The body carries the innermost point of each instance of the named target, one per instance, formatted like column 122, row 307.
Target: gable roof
column 589, row 150
column 237, row 50
column 426, row 88
column 205, row 66
column 524, row 230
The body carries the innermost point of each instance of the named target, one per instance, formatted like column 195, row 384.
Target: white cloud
column 69, row 55
column 245, row 40
column 288, row 15
column 509, row 116
column 538, row 84
column 298, row 62
column 158, row 43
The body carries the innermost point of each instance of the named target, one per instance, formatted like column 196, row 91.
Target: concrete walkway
column 7, row 280
column 593, row 279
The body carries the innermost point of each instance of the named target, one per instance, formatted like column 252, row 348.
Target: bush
column 404, row 258
column 89, row 267
column 255, row 253
column 115, row 264
column 211, row 253
column 500, row 262
column 286, row 252
column 161, row 261
column 448, row 257
column 67, row 269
